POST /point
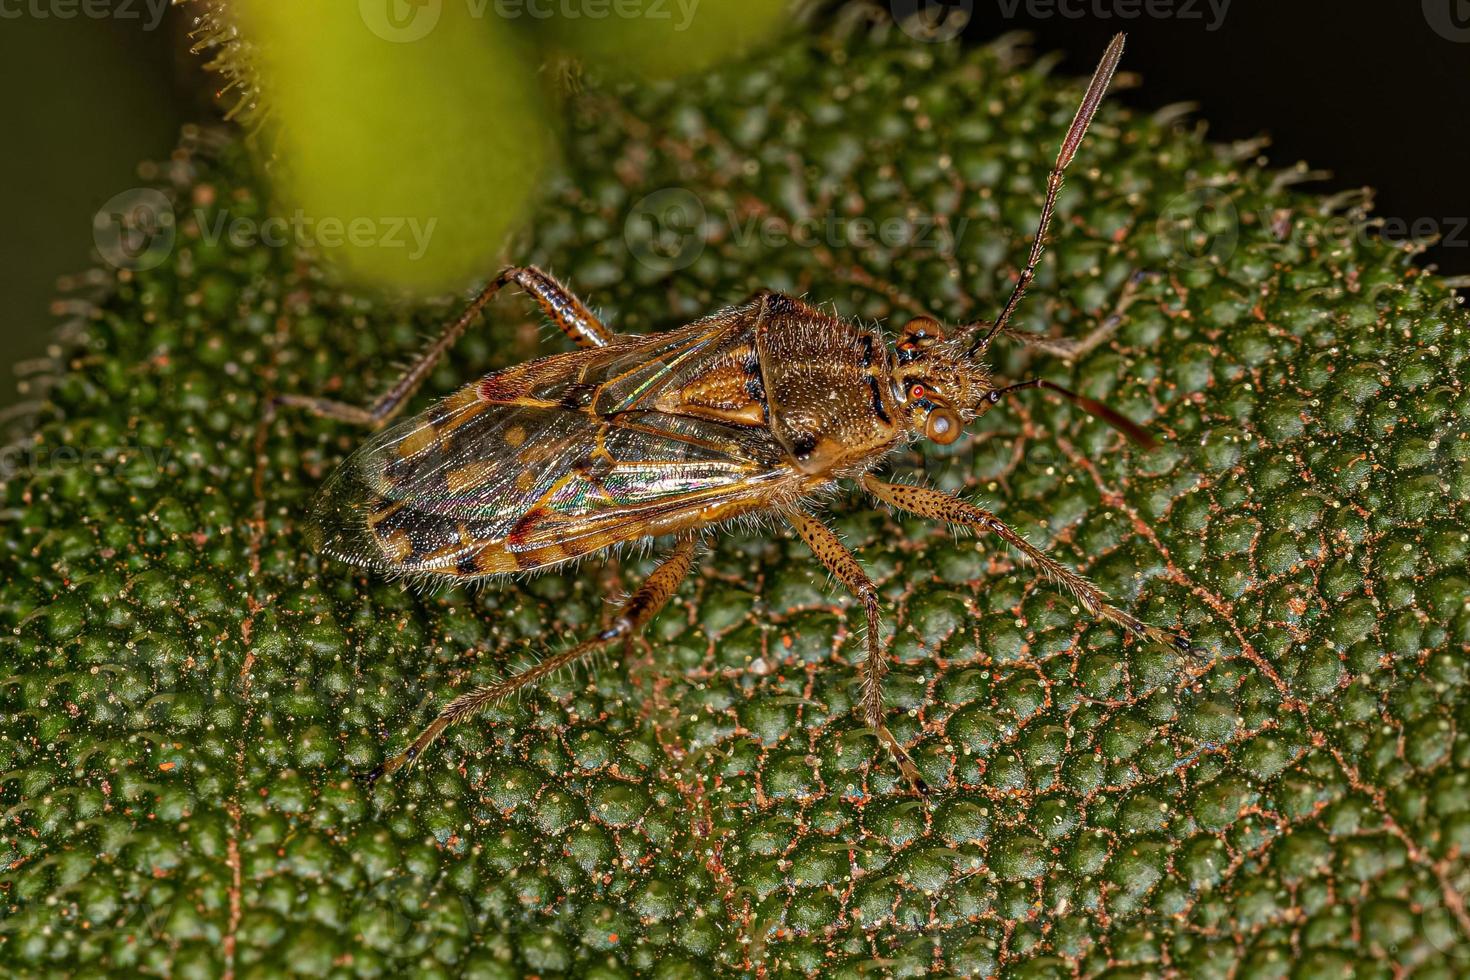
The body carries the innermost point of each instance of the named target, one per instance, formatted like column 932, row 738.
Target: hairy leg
column 832, row 553
column 1073, row 348
column 558, row 303
column 561, row 305
column 940, row 506
column 640, row 608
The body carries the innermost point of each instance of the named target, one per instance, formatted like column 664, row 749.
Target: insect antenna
column 1096, row 409
column 1090, row 101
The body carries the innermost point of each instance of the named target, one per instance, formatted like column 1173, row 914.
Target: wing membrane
column 546, row 462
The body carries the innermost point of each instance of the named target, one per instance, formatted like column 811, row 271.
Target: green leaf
column 189, row 690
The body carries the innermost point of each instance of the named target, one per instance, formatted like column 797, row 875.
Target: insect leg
column 641, row 607
column 1072, row 348
column 569, row 313
column 831, row 552
column 940, row 506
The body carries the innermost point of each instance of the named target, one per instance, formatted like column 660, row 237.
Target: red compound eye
column 917, row 392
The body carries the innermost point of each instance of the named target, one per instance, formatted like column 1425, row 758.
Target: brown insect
column 754, row 410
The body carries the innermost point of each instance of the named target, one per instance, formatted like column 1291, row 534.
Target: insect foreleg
column 568, row 312
column 641, row 607
column 830, row 550
column 940, row 506
column 1073, row 348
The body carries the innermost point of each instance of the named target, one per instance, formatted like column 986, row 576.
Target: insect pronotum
column 752, row 410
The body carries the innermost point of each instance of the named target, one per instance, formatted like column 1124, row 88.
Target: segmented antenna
column 1135, row 432
column 1095, row 92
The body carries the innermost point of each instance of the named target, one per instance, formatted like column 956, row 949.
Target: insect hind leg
column 563, row 308
column 634, row 614
column 568, row 312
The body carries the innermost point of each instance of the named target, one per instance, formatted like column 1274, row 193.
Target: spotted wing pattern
column 555, row 459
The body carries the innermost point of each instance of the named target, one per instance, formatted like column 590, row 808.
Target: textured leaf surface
column 188, row 691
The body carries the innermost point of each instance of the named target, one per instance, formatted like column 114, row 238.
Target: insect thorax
column 828, row 388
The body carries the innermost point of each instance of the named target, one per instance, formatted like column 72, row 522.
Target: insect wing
column 659, row 474
column 543, row 462
column 418, row 496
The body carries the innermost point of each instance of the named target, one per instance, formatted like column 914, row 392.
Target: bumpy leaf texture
column 188, row 691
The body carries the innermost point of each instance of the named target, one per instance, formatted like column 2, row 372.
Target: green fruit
column 406, row 150
column 658, row 38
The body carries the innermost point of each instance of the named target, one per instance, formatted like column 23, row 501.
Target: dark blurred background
column 86, row 98
column 1379, row 98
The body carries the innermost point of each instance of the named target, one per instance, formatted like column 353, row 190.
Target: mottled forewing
column 546, row 462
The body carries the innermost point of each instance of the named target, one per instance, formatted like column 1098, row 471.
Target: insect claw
column 399, row 761
column 911, row 775
column 904, row 760
column 371, row 777
column 1192, row 650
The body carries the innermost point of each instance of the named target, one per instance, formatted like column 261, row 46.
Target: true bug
column 753, row 410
